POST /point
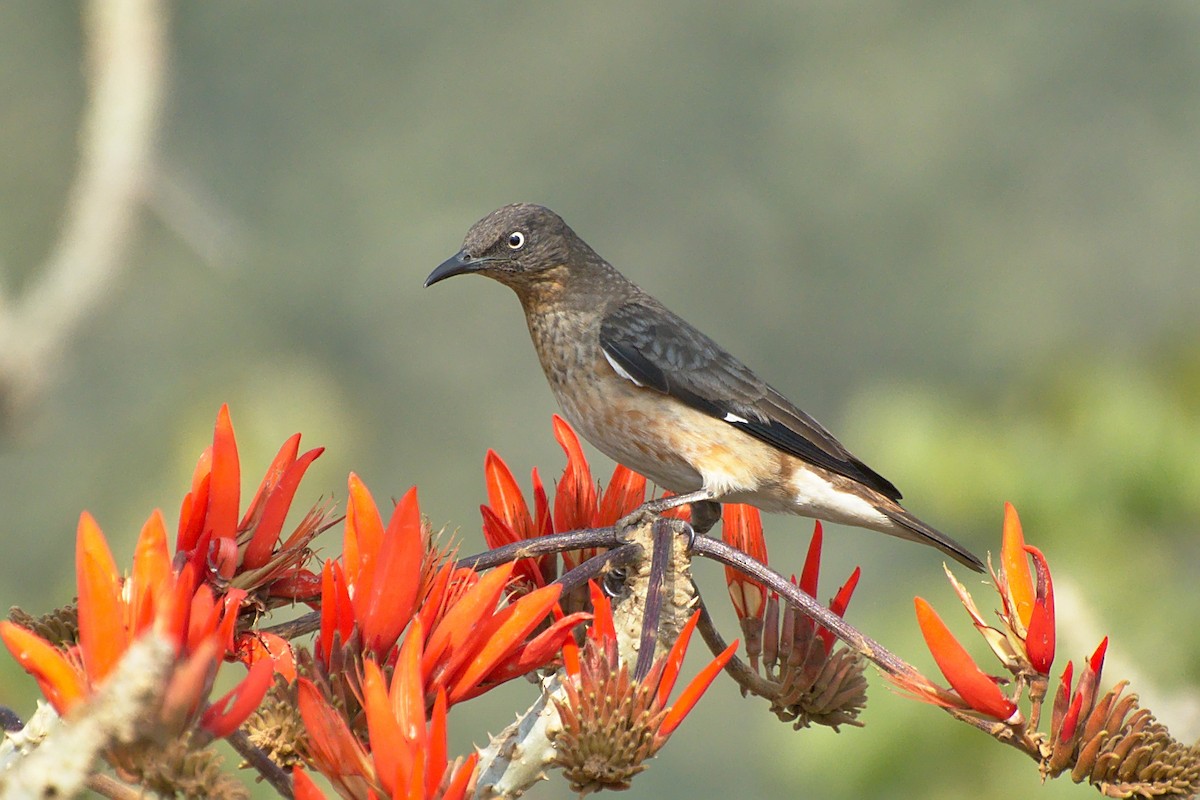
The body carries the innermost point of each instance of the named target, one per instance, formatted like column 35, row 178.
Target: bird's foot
column 705, row 511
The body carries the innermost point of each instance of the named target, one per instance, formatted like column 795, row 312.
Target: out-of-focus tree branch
column 125, row 62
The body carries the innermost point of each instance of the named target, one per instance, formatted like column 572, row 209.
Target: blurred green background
column 963, row 235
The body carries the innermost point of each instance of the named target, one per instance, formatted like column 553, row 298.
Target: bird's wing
column 656, row 349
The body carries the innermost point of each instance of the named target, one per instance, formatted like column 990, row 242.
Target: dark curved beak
column 458, row 264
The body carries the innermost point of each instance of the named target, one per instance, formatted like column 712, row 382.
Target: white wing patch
column 732, row 417
column 617, row 368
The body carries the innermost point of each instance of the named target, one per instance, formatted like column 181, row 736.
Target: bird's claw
column 705, row 512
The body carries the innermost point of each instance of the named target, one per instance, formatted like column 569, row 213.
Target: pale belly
column 677, row 447
column 684, row 450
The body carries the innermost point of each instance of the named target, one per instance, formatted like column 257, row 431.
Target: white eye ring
column 516, row 240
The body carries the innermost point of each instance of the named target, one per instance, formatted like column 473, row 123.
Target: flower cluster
column 1102, row 738
column 800, row 671
column 611, row 722
column 391, row 577
column 404, row 632
column 202, row 601
column 1023, row 643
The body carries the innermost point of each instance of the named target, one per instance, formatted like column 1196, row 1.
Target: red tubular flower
column 1071, row 708
column 333, row 748
column 977, row 690
column 812, row 562
column 255, row 646
column 505, row 498
column 1039, row 638
column 249, row 554
column 303, row 787
column 692, row 693
column 1062, row 697
column 114, row 612
column 476, row 645
column 507, row 520
column 386, row 596
column 225, row 715
column 60, row 681
column 626, row 491
column 103, row 627
column 841, row 601
column 575, row 501
column 1089, row 679
column 1024, row 642
column 809, row 578
column 741, row 527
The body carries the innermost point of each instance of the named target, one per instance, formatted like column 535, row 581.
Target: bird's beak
column 458, row 264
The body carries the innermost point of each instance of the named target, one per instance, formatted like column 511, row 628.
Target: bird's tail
column 908, row 526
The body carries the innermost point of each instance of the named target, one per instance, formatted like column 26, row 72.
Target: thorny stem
column 262, row 763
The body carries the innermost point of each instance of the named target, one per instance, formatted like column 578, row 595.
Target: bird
column 654, row 393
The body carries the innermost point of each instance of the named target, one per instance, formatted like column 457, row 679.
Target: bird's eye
column 516, row 240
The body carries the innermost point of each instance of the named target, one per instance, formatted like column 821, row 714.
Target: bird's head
column 519, row 245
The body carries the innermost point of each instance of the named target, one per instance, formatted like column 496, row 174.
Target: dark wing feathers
column 658, row 350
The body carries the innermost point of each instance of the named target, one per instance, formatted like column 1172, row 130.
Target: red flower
column 808, row 582
column 507, row 520
column 977, row 690
column 1024, row 643
column 741, row 527
column 1028, row 613
column 249, row 554
column 1039, row 638
column 1070, row 708
column 1015, row 582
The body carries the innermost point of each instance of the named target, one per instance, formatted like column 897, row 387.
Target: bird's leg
column 675, row 501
